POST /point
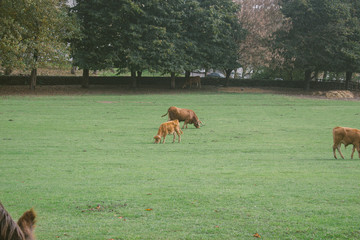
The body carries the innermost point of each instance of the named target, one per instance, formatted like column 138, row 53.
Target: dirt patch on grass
column 341, row 95
column 261, row 90
column 78, row 90
column 124, row 90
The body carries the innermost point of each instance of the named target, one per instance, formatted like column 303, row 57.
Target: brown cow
column 170, row 127
column 182, row 114
column 193, row 80
column 22, row 230
column 346, row 136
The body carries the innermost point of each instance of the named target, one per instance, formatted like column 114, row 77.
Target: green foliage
column 324, row 35
column 223, row 34
column 277, row 73
column 102, row 25
column 262, row 164
column 34, row 32
column 162, row 36
column 11, row 33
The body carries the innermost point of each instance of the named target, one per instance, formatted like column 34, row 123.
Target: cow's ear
column 27, row 223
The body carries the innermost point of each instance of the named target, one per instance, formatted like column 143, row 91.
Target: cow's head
column 198, row 123
column 157, row 139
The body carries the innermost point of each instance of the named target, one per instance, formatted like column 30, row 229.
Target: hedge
column 165, row 81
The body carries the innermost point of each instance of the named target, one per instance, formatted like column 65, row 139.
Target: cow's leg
column 164, row 139
column 199, row 84
column 353, row 150
column 174, row 137
column 334, row 151
column 185, row 123
column 179, row 135
column 338, row 148
column 357, row 146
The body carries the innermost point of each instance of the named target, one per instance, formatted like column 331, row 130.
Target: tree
column 100, row 26
column 156, row 38
column 35, row 33
column 324, row 35
column 141, row 43
column 348, row 50
column 261, row 19
column 173, row 58
column 220, row 35
column 11, row 32
column 160, row 36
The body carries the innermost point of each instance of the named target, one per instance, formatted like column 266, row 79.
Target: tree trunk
column 227, row 77
column 348, row 80
column 34, row 71
column 236, row 75
column 139, row 73
column 324, row 75
column 73, row 70
column 8, row 71
column 307, row 79
column 244, row 69
column 85, row 79
column 316, row 75
column 187, row 74
column 133, row 79
column 172, row 82
column 33, row 77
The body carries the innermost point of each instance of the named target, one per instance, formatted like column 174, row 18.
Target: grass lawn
column 262, row 164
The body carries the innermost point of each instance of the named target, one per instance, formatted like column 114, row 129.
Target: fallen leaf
column 217, row 226
column 149, row 209
column 257, row 235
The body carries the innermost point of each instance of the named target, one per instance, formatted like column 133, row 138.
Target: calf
column 170, row 127
column 346, row 136
column 22, row 230
column 185, row 115
column 193, row 80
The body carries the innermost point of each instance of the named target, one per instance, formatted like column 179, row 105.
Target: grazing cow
column 170, row 127
column 346, row 136
column 22, row 230
column 192, row 80
column 182, row 114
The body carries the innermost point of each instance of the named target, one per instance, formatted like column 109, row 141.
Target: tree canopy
column 170, row 36
column 34, row 33
column 324, row 35
column 177, row 36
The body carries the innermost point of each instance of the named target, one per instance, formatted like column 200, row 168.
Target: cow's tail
column 165, row 114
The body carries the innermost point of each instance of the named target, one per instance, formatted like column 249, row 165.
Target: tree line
column 175, row 36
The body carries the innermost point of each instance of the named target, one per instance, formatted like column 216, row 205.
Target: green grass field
column 262, row 164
